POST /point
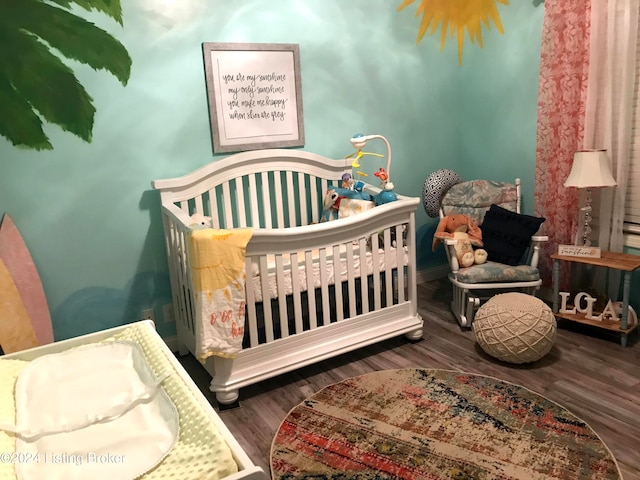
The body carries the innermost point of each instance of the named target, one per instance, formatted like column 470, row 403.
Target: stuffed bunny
column 468, row 235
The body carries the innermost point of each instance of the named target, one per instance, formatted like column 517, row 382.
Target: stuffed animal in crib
column 330, row 205
column 468, row 235
column 199, row 219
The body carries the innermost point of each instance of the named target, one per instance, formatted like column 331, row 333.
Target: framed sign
column 254, row 94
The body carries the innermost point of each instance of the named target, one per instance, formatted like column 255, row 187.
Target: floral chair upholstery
column 509, row 238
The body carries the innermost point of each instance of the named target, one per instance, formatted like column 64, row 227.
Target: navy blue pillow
column 506, row 235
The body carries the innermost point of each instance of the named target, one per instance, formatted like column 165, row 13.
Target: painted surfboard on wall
column 24, row 310
column 16, row 331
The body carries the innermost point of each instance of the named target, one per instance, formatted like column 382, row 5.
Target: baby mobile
column 352, row 187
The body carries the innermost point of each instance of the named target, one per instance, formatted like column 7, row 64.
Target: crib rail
column 268, row 189
column 306, row 278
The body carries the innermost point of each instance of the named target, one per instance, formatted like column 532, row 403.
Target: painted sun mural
column 456, row 16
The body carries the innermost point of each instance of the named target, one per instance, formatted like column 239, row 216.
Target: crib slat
column 277, row 177
column 364, row 284
column 302, row 199
column 282, row 297
column 185, row 298
column 199, row 206
column 292, row 197
column 213, row 208
column 242, row 213
column 250, row 309
column 266, row 298
column 311, row 298
column 266, row 200
column 337, row 281
column 253, row 194
column 228, row 214
column 375, row 270
column 400, row 263
column 316, row 211
column 324, row 287
column 387, row 266
column 295, row 287
column 351, row 284
column 412, row 287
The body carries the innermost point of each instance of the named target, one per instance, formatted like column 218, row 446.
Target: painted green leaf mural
column 36, row 85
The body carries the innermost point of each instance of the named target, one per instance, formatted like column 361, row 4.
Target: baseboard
column 172, row 343
column 432, row 273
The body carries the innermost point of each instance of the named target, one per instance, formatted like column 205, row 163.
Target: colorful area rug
column 435, row 424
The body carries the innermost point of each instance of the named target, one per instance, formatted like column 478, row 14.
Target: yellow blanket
column 216, row 261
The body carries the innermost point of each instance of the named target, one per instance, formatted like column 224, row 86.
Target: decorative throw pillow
column 506, row 235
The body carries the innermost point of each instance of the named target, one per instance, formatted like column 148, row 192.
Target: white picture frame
column 255, row 95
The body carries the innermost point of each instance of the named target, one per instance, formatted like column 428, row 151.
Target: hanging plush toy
column 468, row 235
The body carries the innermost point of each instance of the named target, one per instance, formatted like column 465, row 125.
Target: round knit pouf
column 515, row 327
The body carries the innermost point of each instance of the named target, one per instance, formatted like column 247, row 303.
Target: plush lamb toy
column 199, row 219
column 468, row 235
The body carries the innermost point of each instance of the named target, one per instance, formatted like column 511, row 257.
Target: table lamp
column 590, row 169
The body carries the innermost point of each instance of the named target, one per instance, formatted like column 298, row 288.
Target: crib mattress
column 349, row 262
column 201, row 451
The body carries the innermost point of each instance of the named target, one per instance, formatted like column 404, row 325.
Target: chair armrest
column 536, row 240
column 450, row 247
column 540, row 238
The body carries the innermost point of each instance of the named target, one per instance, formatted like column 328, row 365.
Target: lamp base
column 586, row 228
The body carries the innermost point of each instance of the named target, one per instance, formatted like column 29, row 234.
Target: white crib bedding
column 349, row 260
column 200, row 451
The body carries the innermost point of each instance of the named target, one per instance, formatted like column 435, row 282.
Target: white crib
column 314, row 289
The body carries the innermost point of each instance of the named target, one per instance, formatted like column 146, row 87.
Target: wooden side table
column 623, row 262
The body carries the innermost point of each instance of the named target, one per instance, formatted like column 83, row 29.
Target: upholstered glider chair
column 508, row 236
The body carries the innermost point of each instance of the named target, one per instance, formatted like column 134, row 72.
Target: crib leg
column 227, row 398
column 414, row 335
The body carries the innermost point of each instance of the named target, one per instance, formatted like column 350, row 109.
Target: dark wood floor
column 587, row 371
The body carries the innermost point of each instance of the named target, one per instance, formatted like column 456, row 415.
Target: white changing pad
column 106, row 416
column 201, row 452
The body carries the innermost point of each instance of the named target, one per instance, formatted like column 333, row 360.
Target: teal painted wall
column 86, row 210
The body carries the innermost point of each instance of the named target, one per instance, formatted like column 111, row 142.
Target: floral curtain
column 564, row 68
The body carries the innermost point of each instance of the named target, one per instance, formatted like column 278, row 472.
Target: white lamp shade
column 590, row 169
